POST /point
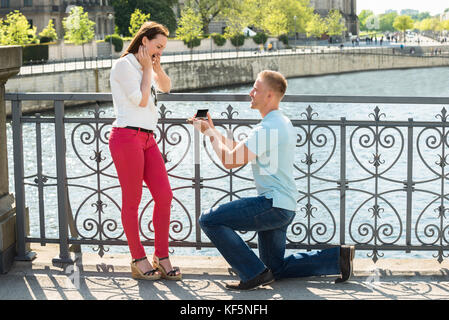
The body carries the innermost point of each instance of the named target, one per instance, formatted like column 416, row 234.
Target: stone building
column 39, row 12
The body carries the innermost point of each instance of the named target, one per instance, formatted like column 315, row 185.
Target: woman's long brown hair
column 149, row 29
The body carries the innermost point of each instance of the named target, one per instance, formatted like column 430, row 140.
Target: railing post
column 64, row 256
column 409, row 184
column 19, row 173
column 343, row 182
column 40, row 180
column 197, row 186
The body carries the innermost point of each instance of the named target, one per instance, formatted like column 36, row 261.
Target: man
column 270, row 147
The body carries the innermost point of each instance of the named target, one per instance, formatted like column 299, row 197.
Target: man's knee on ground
column 206, row 219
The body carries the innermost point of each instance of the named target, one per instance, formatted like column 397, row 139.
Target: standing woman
column 134, row 79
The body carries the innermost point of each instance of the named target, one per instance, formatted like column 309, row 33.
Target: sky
column 379, row 6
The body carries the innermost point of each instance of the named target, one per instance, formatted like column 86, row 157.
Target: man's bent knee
column 206, row 218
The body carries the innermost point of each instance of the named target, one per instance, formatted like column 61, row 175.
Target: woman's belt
column 139, row 129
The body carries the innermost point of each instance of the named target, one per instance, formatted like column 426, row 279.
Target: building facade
column 39, row 12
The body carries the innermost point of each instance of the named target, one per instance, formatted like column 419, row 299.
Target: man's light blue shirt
column 273, row 140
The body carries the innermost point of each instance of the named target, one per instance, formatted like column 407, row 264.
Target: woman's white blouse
column 125, row 79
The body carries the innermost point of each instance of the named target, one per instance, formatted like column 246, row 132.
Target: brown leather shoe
column 346, row 263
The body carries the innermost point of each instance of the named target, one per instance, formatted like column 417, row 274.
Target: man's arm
column 231, row 154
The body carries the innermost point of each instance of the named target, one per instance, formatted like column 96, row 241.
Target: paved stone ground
column 205, row 277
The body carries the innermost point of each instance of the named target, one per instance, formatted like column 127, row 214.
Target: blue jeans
column 258, row 214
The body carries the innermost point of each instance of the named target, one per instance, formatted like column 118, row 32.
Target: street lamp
column 210, row 37
column 110, row 18
column 295, row 32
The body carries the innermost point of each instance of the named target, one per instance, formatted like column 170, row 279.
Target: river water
column 432, row 82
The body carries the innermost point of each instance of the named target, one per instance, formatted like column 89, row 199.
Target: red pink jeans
column 137, row 158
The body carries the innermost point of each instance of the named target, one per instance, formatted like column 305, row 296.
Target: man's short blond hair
column 274, row 80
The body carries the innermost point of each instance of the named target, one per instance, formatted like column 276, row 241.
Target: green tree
column 335, row 25
column 386, row 21
column 276, row 22
column 138, row 18
column 49, row 31
column 239, row 16
column 161, row 12
column 421, row 16
column 190, row 28
column 445, row 25
column 16, row 30
column 300, row 9
column 403, row 23
column 275, row 17
column 433, row 25
column 316, row 27
column 211, row 9
column 364, row 14
column 79, row 29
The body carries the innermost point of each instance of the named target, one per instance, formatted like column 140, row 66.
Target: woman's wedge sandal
column 171, row 275
column 139, row 274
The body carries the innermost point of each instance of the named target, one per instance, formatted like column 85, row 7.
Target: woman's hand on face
column 156, row 59
column 144, row 58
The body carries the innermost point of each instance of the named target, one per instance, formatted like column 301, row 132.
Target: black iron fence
column 380, row 185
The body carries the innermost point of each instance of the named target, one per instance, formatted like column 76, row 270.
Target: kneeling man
column 270, row 147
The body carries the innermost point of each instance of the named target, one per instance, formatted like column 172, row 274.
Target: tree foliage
column 335, row 24
column 219, row 40
column 211, row 9
column 79, row 29
column 316, row 27
column 386, row 21
column 190, row 27
column 429, row 24
column 403, row 23
column 138, row 18
column 275, row 17
column 238, row 40
column 49, row 31
column 16, row 30
column 161, row 12
column 260, row 38
column 363, row 17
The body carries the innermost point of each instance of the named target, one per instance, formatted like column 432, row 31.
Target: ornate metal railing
column 380, row 185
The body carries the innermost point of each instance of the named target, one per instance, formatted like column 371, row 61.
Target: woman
column 134, row 78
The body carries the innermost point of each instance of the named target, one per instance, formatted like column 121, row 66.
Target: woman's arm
column 162, row 79
column 145, row 86
column 147, row 69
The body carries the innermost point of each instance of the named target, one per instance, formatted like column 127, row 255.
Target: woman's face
column 156, row 45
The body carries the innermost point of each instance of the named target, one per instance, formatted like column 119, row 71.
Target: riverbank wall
column 203, row 74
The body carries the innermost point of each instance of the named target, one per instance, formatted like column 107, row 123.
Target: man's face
column 259, row 94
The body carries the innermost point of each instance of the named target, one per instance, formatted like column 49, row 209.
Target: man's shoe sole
column 260, row 285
